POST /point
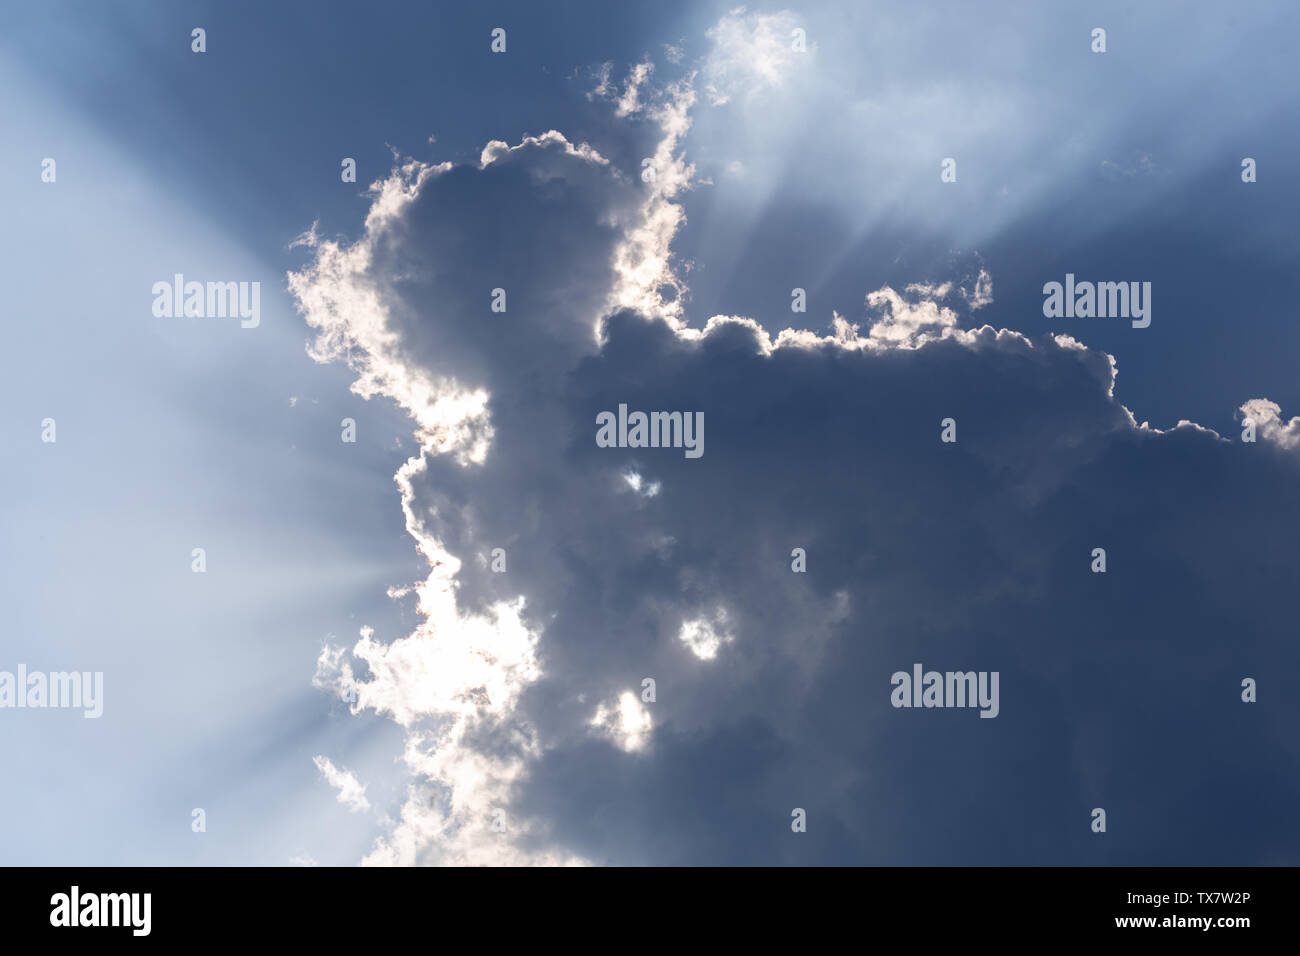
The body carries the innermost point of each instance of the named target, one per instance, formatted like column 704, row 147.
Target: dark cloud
column 1118, row 690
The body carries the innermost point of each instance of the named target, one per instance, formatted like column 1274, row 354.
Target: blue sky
column 252, row 691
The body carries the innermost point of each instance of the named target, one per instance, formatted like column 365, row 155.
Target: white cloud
column 603, row 89
column 751, row 53
column 1269, row 423
column 982, row 294
column 630, row 102
column 643, row 260
column 638, row 484
column 704, row 636
column 628, row 723
column 352, row 792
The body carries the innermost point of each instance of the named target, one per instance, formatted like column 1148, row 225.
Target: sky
column 440, row 618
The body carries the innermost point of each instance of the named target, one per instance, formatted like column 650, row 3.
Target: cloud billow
column 1118, row 690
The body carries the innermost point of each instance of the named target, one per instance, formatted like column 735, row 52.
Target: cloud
column 352, row 792
column 603, row 88
column 750, row 53
column 627, row 722
column 704, row 637
column 1268, row 419
column 982, row 294
column 630, row 102
column 1140, row 165
column 465, row 668
column 773, row 685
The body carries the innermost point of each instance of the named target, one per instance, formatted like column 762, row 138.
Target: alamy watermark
column 949, row 689
column 74, row 908
column 1102, row 300
column 208, row 300
column 61, row 689
column 653, row 430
